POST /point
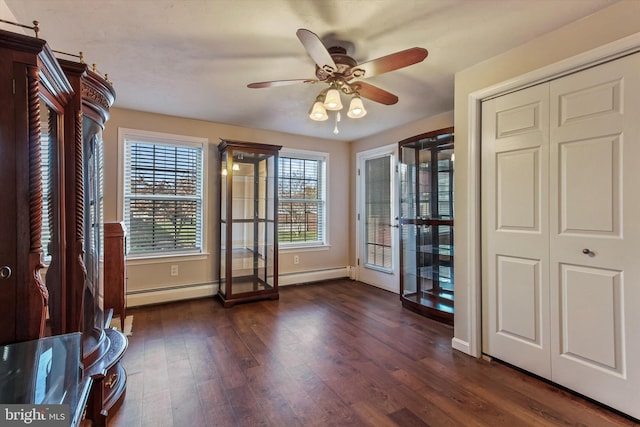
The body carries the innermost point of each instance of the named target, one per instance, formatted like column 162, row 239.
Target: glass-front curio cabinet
column 426, row 224
column 248, row 263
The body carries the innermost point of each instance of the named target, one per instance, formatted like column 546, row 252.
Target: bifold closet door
column 561, row 231
column 595, row 233
column 515, row 153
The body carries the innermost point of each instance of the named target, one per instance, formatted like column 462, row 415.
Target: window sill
column 160, row 259
column 303, row 248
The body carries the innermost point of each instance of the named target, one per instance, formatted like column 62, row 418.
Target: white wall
column 608, row 25
column 7, row 15
column 150, row 280
column 431, row 122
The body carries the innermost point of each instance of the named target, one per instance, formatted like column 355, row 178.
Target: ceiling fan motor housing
column 344, row 64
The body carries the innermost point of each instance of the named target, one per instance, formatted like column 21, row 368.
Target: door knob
column 587, row 251
column 5, row 272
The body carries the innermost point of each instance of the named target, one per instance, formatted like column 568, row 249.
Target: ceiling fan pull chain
column 335, row 128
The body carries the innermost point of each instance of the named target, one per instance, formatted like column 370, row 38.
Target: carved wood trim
column 80, row 270
column 79, row 184
column 38, row 294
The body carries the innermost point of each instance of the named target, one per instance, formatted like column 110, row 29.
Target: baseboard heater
column 201, row 290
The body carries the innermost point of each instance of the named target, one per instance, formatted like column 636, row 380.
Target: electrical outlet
column 296, row 259
column 174, row 269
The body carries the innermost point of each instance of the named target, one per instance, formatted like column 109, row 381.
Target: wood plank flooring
column 336, row 353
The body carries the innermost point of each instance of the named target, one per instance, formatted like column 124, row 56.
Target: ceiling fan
column 343, row 74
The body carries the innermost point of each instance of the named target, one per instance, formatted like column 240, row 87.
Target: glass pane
column 377, row 215
column 51, row 239
column 445, row 184
column 223, row 257
column 270, row 254
column 243, row 188
column 408, row 183
column 424, row 184
column 223, row 186
column 252, row 222
column 410, row 261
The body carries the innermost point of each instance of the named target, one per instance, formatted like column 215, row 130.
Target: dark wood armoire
column 51, row 222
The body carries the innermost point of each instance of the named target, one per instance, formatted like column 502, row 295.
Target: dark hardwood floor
column 337, row 353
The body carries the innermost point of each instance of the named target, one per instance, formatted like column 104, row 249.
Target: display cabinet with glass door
column 426, row 224
column 248, row 262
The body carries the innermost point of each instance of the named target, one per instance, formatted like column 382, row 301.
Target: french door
column 377, row 219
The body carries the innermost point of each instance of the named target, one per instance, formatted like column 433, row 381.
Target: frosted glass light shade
column 332, row 100
column 318, row 112
column 356, row 108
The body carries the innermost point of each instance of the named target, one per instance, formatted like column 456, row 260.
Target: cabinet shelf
column 444, row 250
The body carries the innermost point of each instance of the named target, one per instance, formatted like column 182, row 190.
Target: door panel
column 594, row 211
column 589, row 186
column 515, row 231
column 518, row 292
column 517, row 201
column 8, row 217
column 591, row 337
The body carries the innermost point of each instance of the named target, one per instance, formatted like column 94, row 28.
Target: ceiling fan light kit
column 332, row 101
column 342, row 73
column 356, row 108
column 318, row 112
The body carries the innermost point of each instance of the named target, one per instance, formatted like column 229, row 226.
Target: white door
column 587, row 280
column 595, row 233
column 377, row 218
column 515, row 232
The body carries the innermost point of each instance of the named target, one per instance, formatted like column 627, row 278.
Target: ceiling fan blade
column 316, row 50
column 280, row 83
column 374, row 93
column 391, row 62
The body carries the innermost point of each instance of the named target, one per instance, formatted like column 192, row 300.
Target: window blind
column 301, row 201
column 163, row 197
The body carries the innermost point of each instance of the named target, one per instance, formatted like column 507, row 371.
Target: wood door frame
column 471, row 241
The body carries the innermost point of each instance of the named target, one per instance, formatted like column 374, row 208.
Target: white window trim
column 311, row 155
column 164, row 138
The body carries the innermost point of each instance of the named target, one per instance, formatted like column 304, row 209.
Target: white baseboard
column 460, row 345
column 176, row 293
column 312, row 276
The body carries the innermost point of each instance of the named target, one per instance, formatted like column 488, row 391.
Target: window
column 301, row 199
column 163, row 195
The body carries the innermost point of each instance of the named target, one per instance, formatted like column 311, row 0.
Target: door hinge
column 358, row 171
column 358, row 217
column 358, row 261
column 14, row 86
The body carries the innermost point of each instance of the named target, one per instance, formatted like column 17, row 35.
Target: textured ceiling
column 194, row 58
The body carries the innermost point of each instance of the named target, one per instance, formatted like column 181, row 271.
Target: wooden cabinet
column 114, row 270
column 248, row 263
column 51, row 227
column 33, row 92
column 426, row 224
column 88, row 260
